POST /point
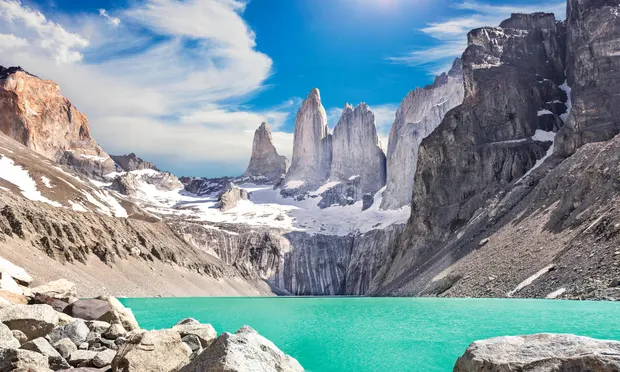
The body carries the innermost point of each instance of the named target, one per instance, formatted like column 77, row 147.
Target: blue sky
column 184, row 83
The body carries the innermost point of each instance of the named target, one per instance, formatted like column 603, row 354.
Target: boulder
column 33, row 320
column 120, row 314
column 19, row 336
column 540, row 352
column 97, row 326
column 154, row 351
column 58, row 305
column 41, row 346
column 9, row 298
column 64, row 319
column 104, row 358
column 22, row 360
column 205, row 332
column 115, row 331
column 57, row 363
column 9, row 284
column 91, row 309
column 7, row 339
column 82, row 357
column 60, row 289
column 77, row 331
column 19, row 274
column 243, row 351
column 65, row 347
column 229, row 198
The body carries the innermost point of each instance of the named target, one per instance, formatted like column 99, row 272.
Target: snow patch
column 294, row 184
column 531, row 279
column 46, row 181
column 21, row 178
column 569, row 101
column 77, row 206
column 544, row 112
column 324, row 188
column 556, row 294
column 100, row 184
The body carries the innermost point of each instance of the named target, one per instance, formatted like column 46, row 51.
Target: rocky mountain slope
column 266, row 165
column 131, row 162
column 34, row 113
column 418, row 115
column 494, row 213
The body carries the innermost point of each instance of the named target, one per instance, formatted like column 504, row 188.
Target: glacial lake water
column 381, row 334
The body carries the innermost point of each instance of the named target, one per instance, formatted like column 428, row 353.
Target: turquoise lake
column 381, row 334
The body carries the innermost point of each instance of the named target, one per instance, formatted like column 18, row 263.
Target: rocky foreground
column 47, row 328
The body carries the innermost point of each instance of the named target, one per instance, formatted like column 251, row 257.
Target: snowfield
column 267, row 208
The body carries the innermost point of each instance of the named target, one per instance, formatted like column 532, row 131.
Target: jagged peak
column 315, row 93
column 523, row 21
column 7, row 71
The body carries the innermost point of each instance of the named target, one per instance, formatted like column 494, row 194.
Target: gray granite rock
column 65, row 347
column 540, row 352
column 418, row 115
column 229, row 198
column 154, row 351
column 77, row 331
column 7, row 339
column 356, row 151
column 41, row 346
column 266, row 165
column 243, row 351
column 131, row 162
column 205, row 333
column 311, row 160
column 22, row 360
column 33, row 320
column 593, row 73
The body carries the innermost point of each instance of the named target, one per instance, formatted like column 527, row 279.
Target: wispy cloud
column 114, row 21
column 160, row 82
column 450, row 35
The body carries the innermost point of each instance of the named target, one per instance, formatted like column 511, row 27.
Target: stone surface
column 266, row 165
column 311, row 160
column 541, row 352
column 19, row 274
column 97, row 326
column 115, row 331
column 229, row 198
column 245, row 350
column 7, row 339
column 77, row 331
column 90, row 309
column 22, row 360
column 418, row 115
column 35, row 114
column 131, row 162
column 205, row 332
column 19, row 336
column 593, row 74
column 8, row 284
column 132, row 184
column 104, row 358
column 356, row 151
column 80, row 357
column 41, row 346
column 33, row 320
column 65, row 347
column 10, row 298
column 154, row 351
column 60, row 289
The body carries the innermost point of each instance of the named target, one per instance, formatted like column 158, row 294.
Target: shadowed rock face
column 593, row 73
column 34, row 113
column 356, row 151
column 418, row 115
column 131, row 162
column 265, row 164
column 312, row 144
column 484, row 144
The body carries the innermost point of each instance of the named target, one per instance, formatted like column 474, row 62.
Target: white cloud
column 51, row 38
column 451, row 34
column 164, row 96
column 114, row 21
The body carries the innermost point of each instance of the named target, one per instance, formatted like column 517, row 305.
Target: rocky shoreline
column 47, row 328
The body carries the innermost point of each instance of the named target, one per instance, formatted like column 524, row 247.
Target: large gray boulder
column 104, row 308
column 266, row 165
column 540, row 353
column 60, row 289
column 418, row 115
column 33, row 320
column 205, row 332
column 153, row 351
column 243, row 351
column 7, row 339
column 229, row 198
column 41, row 346
column 311, row 160
column 77, row 331
column 355, row 149
column 22, row 360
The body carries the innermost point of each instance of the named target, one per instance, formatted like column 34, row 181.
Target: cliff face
column 34, row 113
column 418, row 115
column 593, row 73
column 356, row 151
column 311, row 160
column 131, row 162
column 499, row 133
column 266, row 164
